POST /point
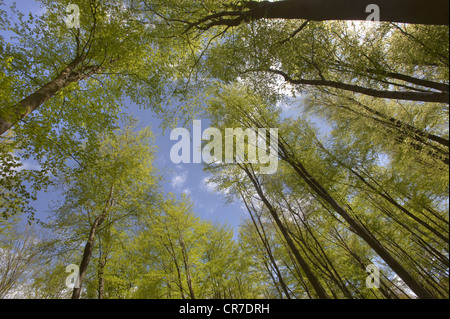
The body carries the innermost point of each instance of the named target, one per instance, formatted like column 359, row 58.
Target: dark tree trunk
column 101, row 278
column 402, row 127
column 87, row 254
column 187, row 268
column 403, row 11
column 433, row 12
column 262, row 235
column 432, row 97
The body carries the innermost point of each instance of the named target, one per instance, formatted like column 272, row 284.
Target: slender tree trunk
column 187, row 268
column 177, row 267
column 102, row 259
column 89, row 247
column 180, row 282
column 169, row 290
column 361, row 231
column 101, row 278
column 402, row 127
column 434, row 97
column 87, row 254
column 320, row 291
column 385, row 195
column 328, row 263
column 263, row 237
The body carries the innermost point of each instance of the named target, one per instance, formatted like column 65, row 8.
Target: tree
column 392, row 11
column 345, row 62
column 115, row 177
column 18, row 254
column 305, row 52
column 172, row 253
column 107, row 44
column 259, row 115
column 64, row 86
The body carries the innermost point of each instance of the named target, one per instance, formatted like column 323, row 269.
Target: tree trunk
column 187, row 268
column 385, row 195
column 10, row 117
column 263, row 237
column 402, row 127
column 89, row 247
column 403, row 11
column 361, row 231
column 432, row 97
column 101, row 278
column 102, row 258
column 320, row 291
column 433, row 12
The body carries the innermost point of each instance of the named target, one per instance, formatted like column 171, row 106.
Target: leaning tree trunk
column 403, row 11
column 10, row 116
column 320, row 291
column 432, row 12
column 360, row 230
column 89, row 247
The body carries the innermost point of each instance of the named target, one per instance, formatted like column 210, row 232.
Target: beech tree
column 107, row 44
column 361, row 109
column 62, row 86
column 107, row 188
column 258, row 114
column 401, row 11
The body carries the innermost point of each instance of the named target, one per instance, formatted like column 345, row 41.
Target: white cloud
column 28, row 165
column 212, row 187
column 187, row 191
column 179, row 180
column 207, row 185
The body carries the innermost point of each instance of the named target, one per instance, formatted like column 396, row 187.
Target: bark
column 89, row 247
column 320, row 291
column 433, row 12
column 11, row 116
column 432, row 97
column 187, row 268
column 359, row 229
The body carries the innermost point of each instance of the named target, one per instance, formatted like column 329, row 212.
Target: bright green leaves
column 116, row 60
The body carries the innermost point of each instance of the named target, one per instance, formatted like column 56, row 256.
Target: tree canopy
column 360, row 108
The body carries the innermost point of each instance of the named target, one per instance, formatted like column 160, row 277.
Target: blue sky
column 188, row 178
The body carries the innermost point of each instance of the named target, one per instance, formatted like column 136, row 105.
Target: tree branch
column 435, row 97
